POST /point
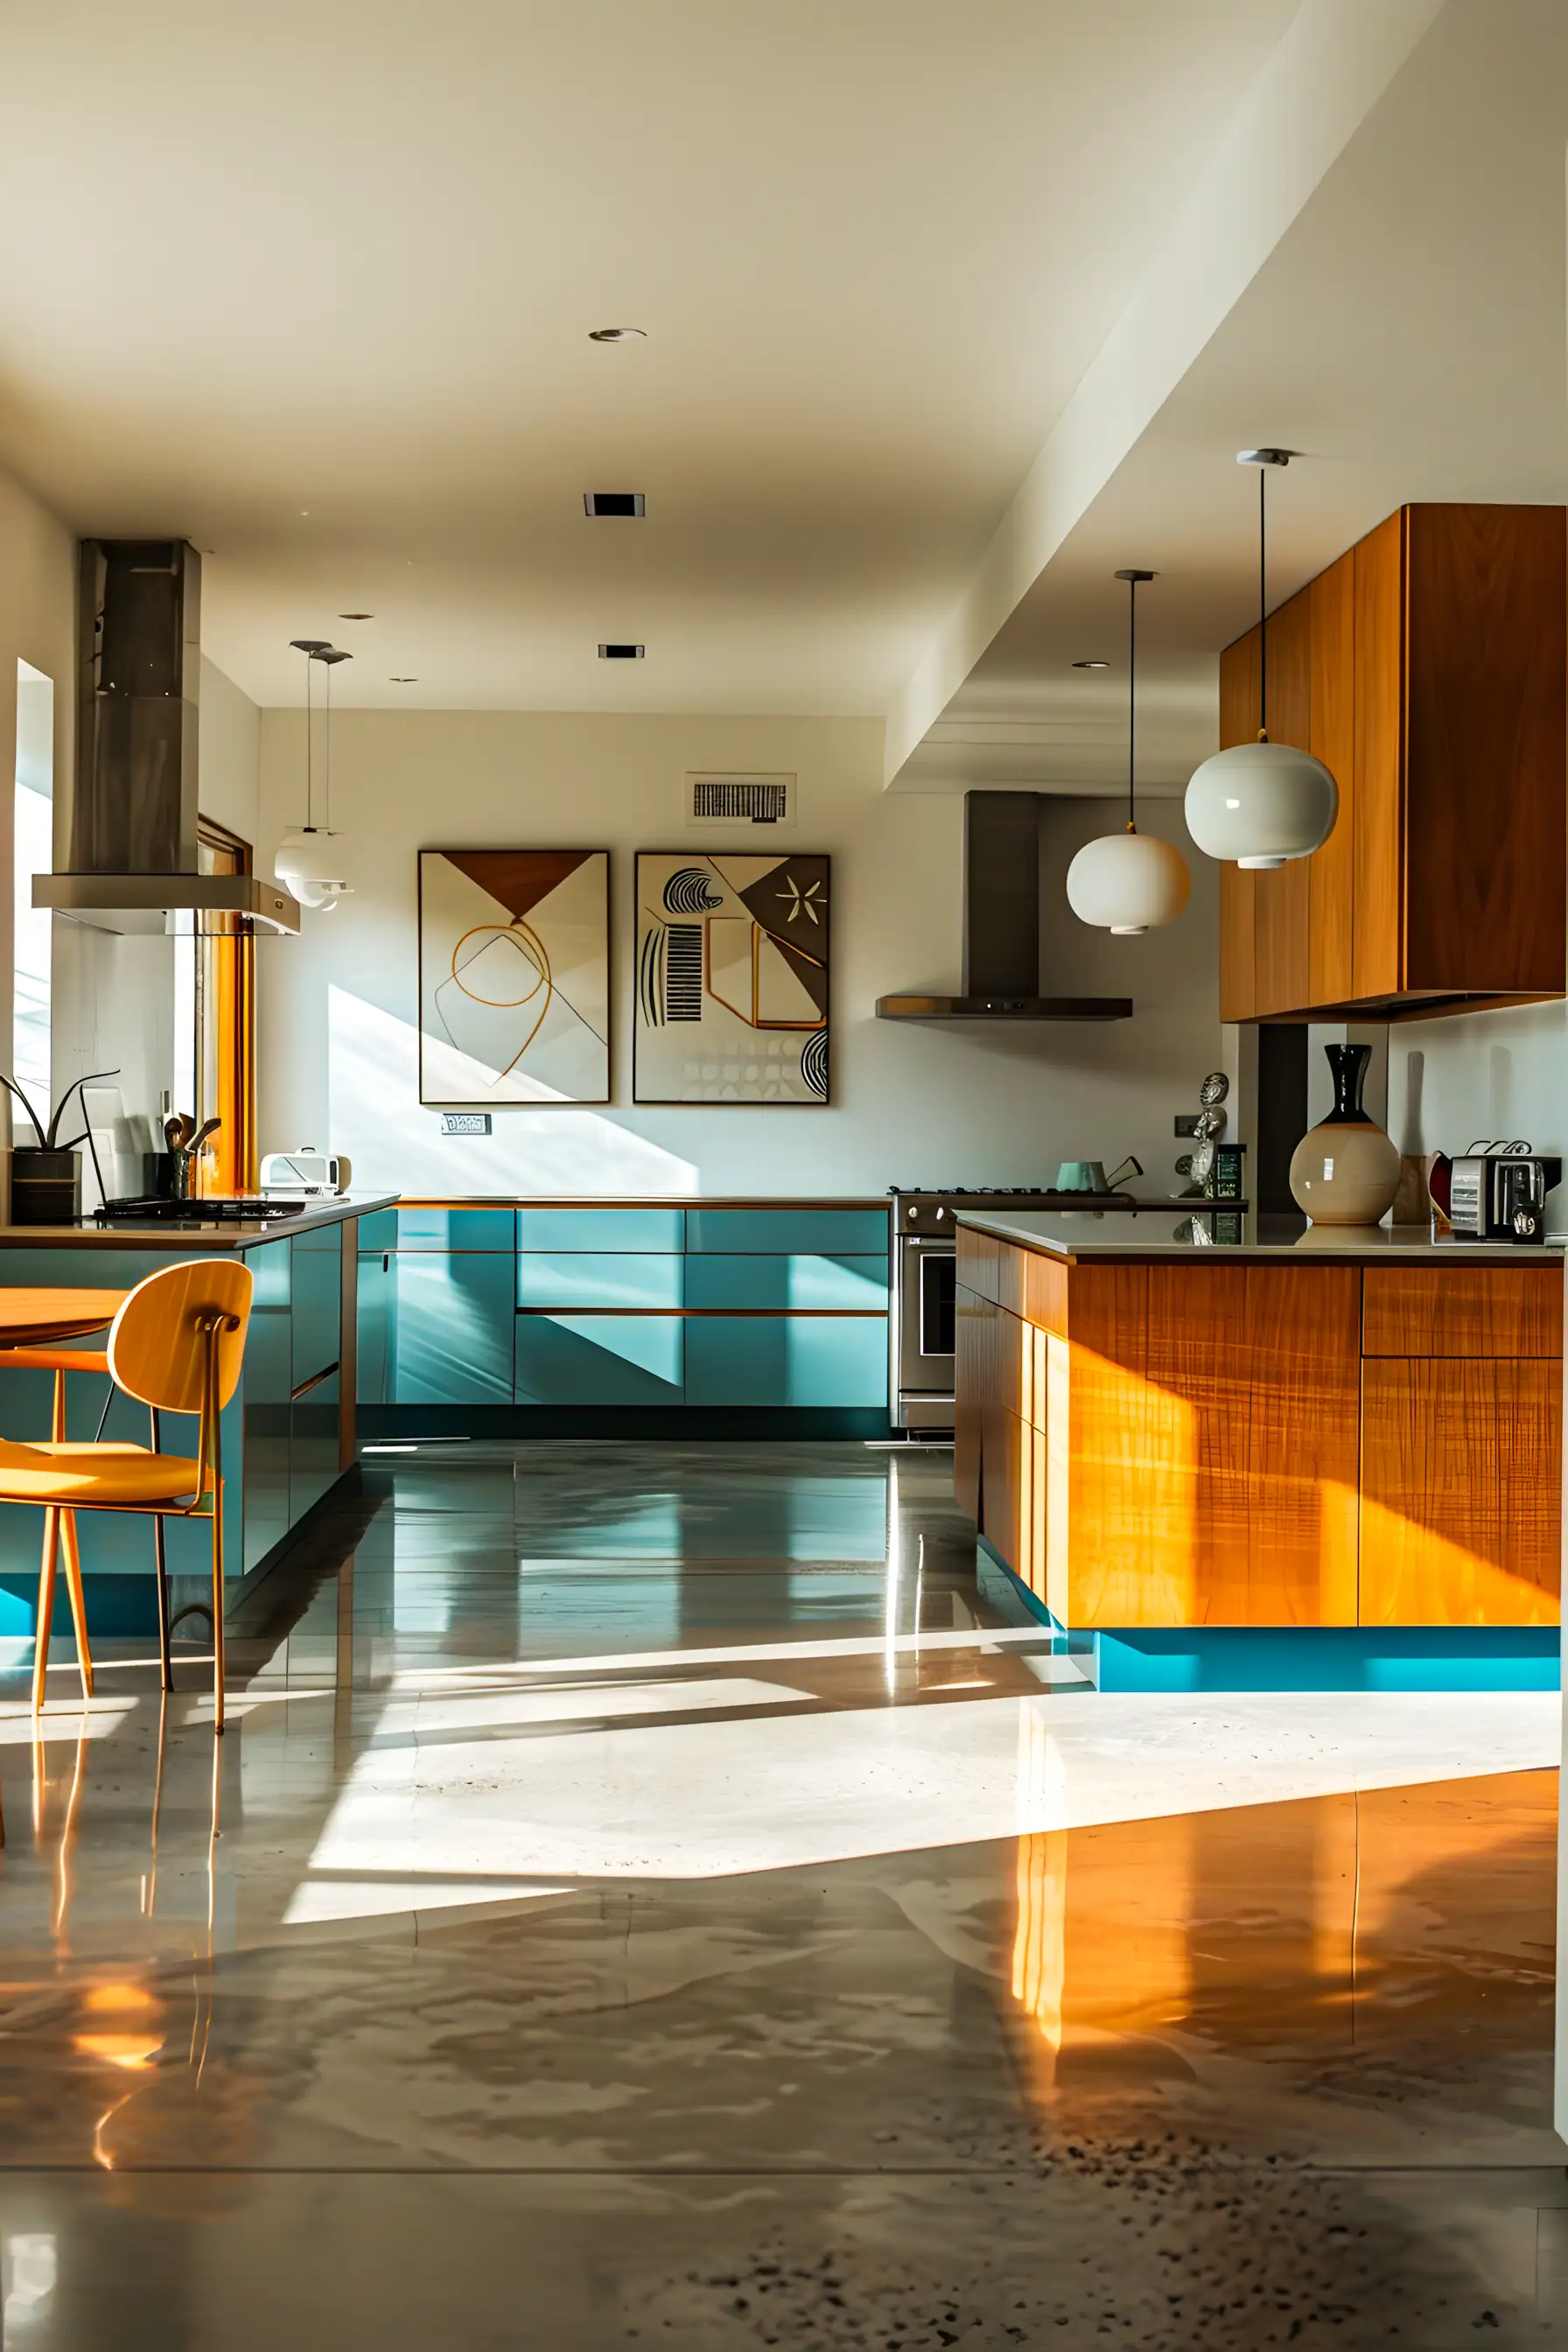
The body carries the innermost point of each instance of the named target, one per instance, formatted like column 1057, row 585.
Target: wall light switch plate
column 1186, row 1122
column 465, row 1122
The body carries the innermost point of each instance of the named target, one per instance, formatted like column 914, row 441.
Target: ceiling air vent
column 763, row 803
column 620, row 653
column 612, row 502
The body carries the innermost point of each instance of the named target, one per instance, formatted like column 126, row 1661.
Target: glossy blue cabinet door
column 784, row 1360
column 452, row 1318
column 642, row 1232
column 265, row 1384
column 378, row 1231
column 372, row 1354
column 457, row 1229
column 599, row 1359
column 580, row 1279
column 316, row 1281
column 788, row 1232
column 313, row 1446
column 828, row 1286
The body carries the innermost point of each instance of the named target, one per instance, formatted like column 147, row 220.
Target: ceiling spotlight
column 620, row 653
column 1078, row 665
column 615, row 334
column 356, row 617
column 612, row 502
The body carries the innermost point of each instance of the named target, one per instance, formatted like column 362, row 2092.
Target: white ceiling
column 312, row 285
column 1407, row 333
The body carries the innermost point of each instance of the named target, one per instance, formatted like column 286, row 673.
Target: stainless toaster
column 1498, row 1193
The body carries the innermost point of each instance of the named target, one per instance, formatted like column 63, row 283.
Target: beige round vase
column 1345, row 1170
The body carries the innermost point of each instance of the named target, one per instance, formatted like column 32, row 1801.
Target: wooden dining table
column 43, row 1317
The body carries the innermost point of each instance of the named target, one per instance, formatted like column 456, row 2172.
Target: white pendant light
column 1128, row 882
column 1263, row 803
column 309, row 863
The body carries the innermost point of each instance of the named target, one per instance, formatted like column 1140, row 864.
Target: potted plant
column 45, row 1176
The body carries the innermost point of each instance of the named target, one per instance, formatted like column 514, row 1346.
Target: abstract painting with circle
column 732, row 979
column 514, row 976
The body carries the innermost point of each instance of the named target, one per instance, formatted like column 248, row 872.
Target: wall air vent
column 721, row 799
column 620, row 653
column 612, row 502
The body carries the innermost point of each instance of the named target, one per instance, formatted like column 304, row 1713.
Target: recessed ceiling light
column 611, row 502
column 620, row 653
column 615, row 334
column 1078, row 665
column 356, row 617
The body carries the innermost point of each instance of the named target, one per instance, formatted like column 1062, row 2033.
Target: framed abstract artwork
column 514, row 976
column 732, row 979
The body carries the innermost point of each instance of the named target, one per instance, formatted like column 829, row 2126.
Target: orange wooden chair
column 176, row 1345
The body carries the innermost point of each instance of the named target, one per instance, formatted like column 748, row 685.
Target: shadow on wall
column 395, row 1142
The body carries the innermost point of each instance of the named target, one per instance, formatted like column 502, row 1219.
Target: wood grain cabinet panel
column 978, row 1262
column 1460, row 1516
column 1303, row 1446
column 1432, row 653
column 1462, row 1311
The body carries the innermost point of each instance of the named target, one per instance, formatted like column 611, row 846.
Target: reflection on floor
column 661, row 1896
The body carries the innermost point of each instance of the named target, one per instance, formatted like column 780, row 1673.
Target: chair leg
column 165, row 1653
column 45, row 1607
column 217, row 1610
column 75, row 1589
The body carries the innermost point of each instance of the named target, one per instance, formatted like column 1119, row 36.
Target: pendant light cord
column 327, row 753
column 1132, row 704
column 309, row 750
column 1263, row 604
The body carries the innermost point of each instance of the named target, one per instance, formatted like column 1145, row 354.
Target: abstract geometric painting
column 514, row 976
column 732, row 979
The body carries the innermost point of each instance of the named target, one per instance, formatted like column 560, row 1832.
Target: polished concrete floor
column 658, row 1895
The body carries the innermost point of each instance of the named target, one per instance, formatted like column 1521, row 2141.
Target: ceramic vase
column 1345, row 1170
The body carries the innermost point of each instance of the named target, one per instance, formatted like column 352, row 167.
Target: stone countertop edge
column 1054, row 1237
column 247, row 1236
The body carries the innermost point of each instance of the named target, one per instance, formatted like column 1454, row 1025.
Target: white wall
column 908, row 1104
column 228, row 739
column 1497, row 1074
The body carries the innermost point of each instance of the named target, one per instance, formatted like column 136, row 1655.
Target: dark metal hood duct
column 131, row 854
column 1002, row 927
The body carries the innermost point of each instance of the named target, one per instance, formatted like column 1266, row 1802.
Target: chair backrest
column 157, row 1351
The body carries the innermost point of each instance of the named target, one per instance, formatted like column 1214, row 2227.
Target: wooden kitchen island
column 1193, row 1453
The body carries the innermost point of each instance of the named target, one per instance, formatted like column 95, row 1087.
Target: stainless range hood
column 132, row 859
column 1002, row 927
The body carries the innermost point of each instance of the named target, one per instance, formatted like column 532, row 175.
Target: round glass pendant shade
column 1261, row 803
column 310, row 866
column 1128, row 882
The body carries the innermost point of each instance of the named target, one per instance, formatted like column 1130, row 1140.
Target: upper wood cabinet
column 1428, row 669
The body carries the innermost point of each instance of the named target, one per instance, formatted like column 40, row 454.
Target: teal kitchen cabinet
column 797, row 1285
column 458, row 1229
column 635, row 1231
column 316, row 1284
column 266, row 1387
column 787, row 1233
column 598, row 1360
column 452, row 1327
column 374, row 1282
column 313, row 1444
column 833, row 1360
column 582, row 1278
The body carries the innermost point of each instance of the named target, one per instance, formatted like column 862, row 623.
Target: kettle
column 1089, row 1176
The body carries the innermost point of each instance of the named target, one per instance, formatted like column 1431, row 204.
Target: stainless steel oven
column 921, row 1330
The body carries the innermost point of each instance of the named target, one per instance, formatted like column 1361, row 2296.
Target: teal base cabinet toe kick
column 287, row 1435
column 638, row 1319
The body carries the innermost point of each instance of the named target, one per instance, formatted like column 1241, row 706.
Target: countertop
column 1099, row 1237
column 195, row 1235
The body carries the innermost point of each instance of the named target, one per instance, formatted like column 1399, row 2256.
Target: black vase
column 46, row 1186
column 1347, row 1067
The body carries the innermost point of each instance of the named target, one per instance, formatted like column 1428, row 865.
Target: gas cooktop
column 233, row 1210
